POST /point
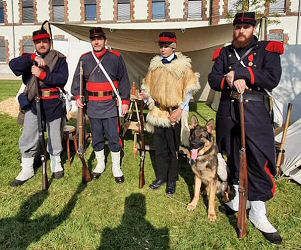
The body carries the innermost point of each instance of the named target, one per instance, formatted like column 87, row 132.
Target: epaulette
column 85, row 54
column 216, row 54
column 275, row 46
column 115, row 52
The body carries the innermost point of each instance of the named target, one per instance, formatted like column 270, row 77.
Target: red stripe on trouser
column 252, row 75
column 267, row 170
column 223, row 83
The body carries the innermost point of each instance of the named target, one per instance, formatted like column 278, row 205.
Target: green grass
column 9, row 88
column 104, row 215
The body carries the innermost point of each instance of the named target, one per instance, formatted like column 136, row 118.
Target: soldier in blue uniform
column 251, row 67
column 51, row 69
column 101, row 99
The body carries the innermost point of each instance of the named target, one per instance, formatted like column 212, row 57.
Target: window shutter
column 278, row 6
column 28, row 15
column 59, row 13
column 90, row 2
column 124, row 11
column 123, row 1
column 58, row 2
column 194, row 9
column 27, row 3
column 1, row 3
column 158, row 9
column 2, row 51
column 28, row 46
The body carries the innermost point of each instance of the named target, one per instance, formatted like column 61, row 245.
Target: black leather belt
column 100, row 93
column 250, row 96
column 164, row 108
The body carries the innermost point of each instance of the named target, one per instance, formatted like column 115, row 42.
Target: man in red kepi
column 101, row 99
column 250, row 67
column 51, row 69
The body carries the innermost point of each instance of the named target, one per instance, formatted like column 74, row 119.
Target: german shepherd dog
column 204, row 164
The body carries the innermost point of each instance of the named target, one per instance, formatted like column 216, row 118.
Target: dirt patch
column 10, row 106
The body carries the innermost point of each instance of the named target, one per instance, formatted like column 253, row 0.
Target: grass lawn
column 104, row 215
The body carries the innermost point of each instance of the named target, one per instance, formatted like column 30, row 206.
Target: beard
column 241, row 43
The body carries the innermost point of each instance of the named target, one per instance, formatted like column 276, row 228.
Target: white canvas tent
column 138, row 47
column 289, row 91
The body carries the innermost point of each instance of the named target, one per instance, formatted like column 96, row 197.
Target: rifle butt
column 141, row 178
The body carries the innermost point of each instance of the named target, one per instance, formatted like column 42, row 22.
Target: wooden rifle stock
column 243, row 176
column 45, row 182
column 86, row 175
column 142, row 148
column 280, row 157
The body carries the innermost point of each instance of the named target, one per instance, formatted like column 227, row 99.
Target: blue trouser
column 105, row 128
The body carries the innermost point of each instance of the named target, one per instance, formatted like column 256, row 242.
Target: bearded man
column 50, row 68
column 248, row 67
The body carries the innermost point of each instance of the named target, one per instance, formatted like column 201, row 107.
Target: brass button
column 230, row 67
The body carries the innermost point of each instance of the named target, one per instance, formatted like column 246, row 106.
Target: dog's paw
column 191, row 206
column 212, row 217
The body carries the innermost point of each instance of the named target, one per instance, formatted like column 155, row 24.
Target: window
column 194, row 9
column 277, row 7
column 1, row 12
column 158, row 9
column 58, row 10
column 28, row 13
column 28, row 46
column 234, row 6
column 124, row 10
column 90, row 10
column 2, row 51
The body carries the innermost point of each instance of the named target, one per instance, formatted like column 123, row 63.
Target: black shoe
column 156, row 184
column 274, row 238
column 96, row 175
column 119, row 180
column 171, row 188
column 226, row 210
column 58, row 175
column 16, row 183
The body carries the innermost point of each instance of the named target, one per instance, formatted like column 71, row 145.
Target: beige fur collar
column 176, row 67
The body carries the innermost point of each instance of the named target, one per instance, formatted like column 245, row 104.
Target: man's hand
column 40, row 61
column 175, row 115
column 230, row 78
column 79, row 103
column 36, row 71
column 125, row 109
column 142, row 95
column 240, row 85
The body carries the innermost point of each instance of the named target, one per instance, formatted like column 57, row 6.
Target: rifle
column 243, row 176
column 142, row 148
column 86, row 175
column 280, row 157
column 45, row 182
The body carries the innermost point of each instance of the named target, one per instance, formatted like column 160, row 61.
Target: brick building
column 18, row 18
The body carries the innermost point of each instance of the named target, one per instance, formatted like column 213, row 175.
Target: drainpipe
column 13, row 27
column 297, row 31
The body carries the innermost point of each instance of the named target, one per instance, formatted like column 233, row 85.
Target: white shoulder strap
column 112, row 84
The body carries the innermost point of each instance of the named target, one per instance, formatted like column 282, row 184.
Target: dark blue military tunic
column 52, row 107
column 261, row 70
column 103, row 106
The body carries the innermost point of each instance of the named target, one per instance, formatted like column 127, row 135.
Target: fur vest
column 168, row 85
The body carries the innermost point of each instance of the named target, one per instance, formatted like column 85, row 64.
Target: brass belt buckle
column 46, row 93
column 99, row 94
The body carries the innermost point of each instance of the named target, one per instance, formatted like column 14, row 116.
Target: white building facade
column 19, row 18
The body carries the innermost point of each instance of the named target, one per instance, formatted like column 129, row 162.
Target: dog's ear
column 193, row 122
column 210, row 126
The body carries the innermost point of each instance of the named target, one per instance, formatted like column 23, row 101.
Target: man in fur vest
column 168, row 87
column 51, row 70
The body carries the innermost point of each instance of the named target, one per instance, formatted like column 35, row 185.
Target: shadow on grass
column 135, row 232
column 20, row 231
